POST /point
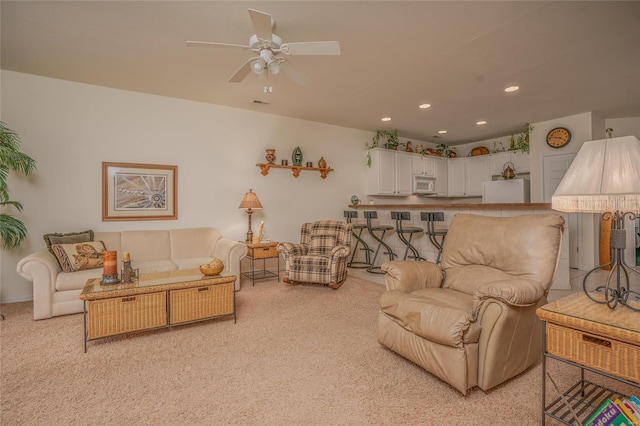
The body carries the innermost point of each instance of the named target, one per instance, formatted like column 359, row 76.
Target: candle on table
column 110, row 262
column 126, row 257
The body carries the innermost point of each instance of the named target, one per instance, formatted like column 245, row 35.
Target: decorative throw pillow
column 79, row 256
column 70, row 238
column 321, row 244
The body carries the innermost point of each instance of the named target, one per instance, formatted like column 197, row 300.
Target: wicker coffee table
column 156, row 300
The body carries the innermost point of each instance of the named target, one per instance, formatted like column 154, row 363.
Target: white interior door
column 553, row 169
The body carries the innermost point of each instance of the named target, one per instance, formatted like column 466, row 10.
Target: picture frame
column 132, row 191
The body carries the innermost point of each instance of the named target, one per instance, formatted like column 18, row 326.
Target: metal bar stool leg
column 432, row 233
column 401, row 231
column 380, row 239
column 349, row 214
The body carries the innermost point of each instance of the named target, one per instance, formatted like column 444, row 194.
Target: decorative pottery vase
column 296, row 157
column 355, row 200
column 419, row 149
column 271, row 156
column 408, row 148
column 322, row 163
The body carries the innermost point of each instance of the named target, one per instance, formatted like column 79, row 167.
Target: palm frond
column 16, row 204
column 12, row 231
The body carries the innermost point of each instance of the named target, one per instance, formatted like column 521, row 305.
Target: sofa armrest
column 231, row 253
column 292, row 249
column 339, row 251
column 408, row 276
column 512, row 292
column 42, row 269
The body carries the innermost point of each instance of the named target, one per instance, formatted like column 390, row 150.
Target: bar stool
column 432, row 232
column 401, row 231
column 380, row 239
column 359, row 227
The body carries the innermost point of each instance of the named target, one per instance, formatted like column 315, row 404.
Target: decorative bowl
column 212, row 268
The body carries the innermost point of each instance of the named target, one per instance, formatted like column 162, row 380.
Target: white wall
column 71, row 128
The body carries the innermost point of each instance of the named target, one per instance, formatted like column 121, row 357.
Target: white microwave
column 424, row 185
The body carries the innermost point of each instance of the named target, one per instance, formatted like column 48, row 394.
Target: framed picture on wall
column 139, row 191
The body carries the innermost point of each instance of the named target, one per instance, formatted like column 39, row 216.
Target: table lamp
column 605, row 178
column 250, row 202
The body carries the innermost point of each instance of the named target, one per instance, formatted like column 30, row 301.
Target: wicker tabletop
column 578, row 311
column 156, row 281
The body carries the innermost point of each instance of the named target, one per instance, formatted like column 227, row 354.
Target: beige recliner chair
column 471, row 321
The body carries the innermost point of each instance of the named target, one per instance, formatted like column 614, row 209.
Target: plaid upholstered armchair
column 321, row 256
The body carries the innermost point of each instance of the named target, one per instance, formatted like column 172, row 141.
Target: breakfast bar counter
column 449, row 210
column 431, row 206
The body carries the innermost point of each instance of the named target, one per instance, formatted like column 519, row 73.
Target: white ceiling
column 567, row 57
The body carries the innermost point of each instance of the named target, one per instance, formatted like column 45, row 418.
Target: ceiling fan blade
column 242, row 72
column 211, row 44
column 262, row 24
column 312, row 48
column 294, row 74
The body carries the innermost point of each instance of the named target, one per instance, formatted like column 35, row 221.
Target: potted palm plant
column 12, row 230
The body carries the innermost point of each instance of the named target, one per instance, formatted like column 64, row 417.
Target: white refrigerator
column 506, row 191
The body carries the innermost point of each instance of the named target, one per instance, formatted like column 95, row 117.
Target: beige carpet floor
column 303, row 355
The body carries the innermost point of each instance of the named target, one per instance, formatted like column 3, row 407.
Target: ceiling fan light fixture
column 258, row 66
column 274, row 68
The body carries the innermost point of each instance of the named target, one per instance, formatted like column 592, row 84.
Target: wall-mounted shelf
column 264, row 169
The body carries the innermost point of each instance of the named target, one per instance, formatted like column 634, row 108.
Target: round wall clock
column 558, row 137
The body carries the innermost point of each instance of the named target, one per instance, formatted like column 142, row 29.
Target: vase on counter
column 271, row 156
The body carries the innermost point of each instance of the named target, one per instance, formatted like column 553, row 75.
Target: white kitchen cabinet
column 441, row 167
column 467, row 175
column 390, row 173
column 519, row 159
column 423, row 166
column 455, row 177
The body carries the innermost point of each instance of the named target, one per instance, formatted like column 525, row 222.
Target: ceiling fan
column 270, row 48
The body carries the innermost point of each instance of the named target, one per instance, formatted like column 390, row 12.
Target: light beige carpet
column 303, row 355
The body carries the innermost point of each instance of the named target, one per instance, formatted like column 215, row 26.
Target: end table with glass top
column 261, row 251
column 593, row 338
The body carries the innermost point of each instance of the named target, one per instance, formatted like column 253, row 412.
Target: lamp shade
column 604, row 177
column 250, row 201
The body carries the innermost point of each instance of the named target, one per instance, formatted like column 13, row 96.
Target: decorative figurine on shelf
column 296, row 157
column 355, row 200
column 271, row 156
column 408, row 147
column 322, row 163
column 263, row 235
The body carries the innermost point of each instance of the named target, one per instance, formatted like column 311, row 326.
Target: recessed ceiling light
column 442, row 132
column 425, row 106
column 385, row 119
column 511, row 89
column 481, row 122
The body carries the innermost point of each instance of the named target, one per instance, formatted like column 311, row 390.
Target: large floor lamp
column 250, row 202
column 605, row 178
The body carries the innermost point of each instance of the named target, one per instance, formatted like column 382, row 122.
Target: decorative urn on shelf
column 271, row 156
column 322, row 163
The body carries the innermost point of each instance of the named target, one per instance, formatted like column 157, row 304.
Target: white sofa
column 56, row 292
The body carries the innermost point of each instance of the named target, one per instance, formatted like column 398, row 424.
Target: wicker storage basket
column 125, row 314
column 607, row 355
column 196, row 303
